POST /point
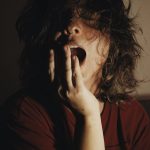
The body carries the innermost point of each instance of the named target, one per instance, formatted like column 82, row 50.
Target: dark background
column 10, row 47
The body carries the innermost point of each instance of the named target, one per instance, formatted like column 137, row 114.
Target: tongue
column 80, row 53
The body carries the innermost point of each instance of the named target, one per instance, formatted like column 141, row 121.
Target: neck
column 94, row 86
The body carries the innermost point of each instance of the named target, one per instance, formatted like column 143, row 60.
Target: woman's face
column 90, row 46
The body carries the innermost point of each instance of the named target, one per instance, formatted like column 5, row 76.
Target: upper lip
column 74, row 46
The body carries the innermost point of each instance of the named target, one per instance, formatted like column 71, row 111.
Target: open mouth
column 79, row 52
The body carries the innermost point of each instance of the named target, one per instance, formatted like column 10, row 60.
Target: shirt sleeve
column 29, row 128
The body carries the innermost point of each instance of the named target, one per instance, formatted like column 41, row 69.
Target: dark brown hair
column 40, row 20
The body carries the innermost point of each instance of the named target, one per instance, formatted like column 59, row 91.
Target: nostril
column 71, row 31
column 76, row 31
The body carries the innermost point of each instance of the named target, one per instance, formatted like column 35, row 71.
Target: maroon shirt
column 35, row 125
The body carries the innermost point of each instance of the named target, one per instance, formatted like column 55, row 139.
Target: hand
column 78, row 96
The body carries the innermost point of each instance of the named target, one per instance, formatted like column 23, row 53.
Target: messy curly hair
column 41, row 19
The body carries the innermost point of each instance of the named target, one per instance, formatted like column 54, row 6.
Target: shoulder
column 21, row 108
column 135, row 123
column 27, row 123
column 132, row 108
column 130, row 112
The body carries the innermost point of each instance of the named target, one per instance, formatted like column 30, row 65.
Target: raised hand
column 76, row 93
column 83, row 102
column 79, row 97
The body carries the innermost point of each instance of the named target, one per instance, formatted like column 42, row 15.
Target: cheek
column 90, row 35
column 103, row 51
column 95, row 61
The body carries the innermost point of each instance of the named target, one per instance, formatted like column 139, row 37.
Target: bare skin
column 80, row 93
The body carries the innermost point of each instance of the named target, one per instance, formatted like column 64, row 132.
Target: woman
column 77, row 71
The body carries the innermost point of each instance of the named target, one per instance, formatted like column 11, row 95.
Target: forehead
column 72, row 14
column 90, row 11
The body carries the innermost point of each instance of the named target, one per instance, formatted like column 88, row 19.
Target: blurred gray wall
column 10, row 48
column 142, row 9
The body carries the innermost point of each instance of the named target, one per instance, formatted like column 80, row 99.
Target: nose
column 73, row 31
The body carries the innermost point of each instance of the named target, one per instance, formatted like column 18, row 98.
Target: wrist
column 90, row 119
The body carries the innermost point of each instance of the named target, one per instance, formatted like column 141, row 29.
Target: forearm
column 90, row 134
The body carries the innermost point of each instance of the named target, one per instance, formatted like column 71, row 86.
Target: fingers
column 68, row 67
column 51, row 65
column 72, row 74
column 77, row 73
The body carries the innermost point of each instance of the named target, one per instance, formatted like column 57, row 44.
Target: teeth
column 72, row 46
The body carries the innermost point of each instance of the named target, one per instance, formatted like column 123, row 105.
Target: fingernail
column 51, row 51
column 65, row 47
column 74, row 58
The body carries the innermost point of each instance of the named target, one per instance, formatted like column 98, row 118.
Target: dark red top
column 35, row 125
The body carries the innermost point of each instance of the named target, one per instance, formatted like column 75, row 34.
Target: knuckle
column 68, row 69
column 74, row 75
column 71, row 93
column 76, row 69
column 68, row 94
